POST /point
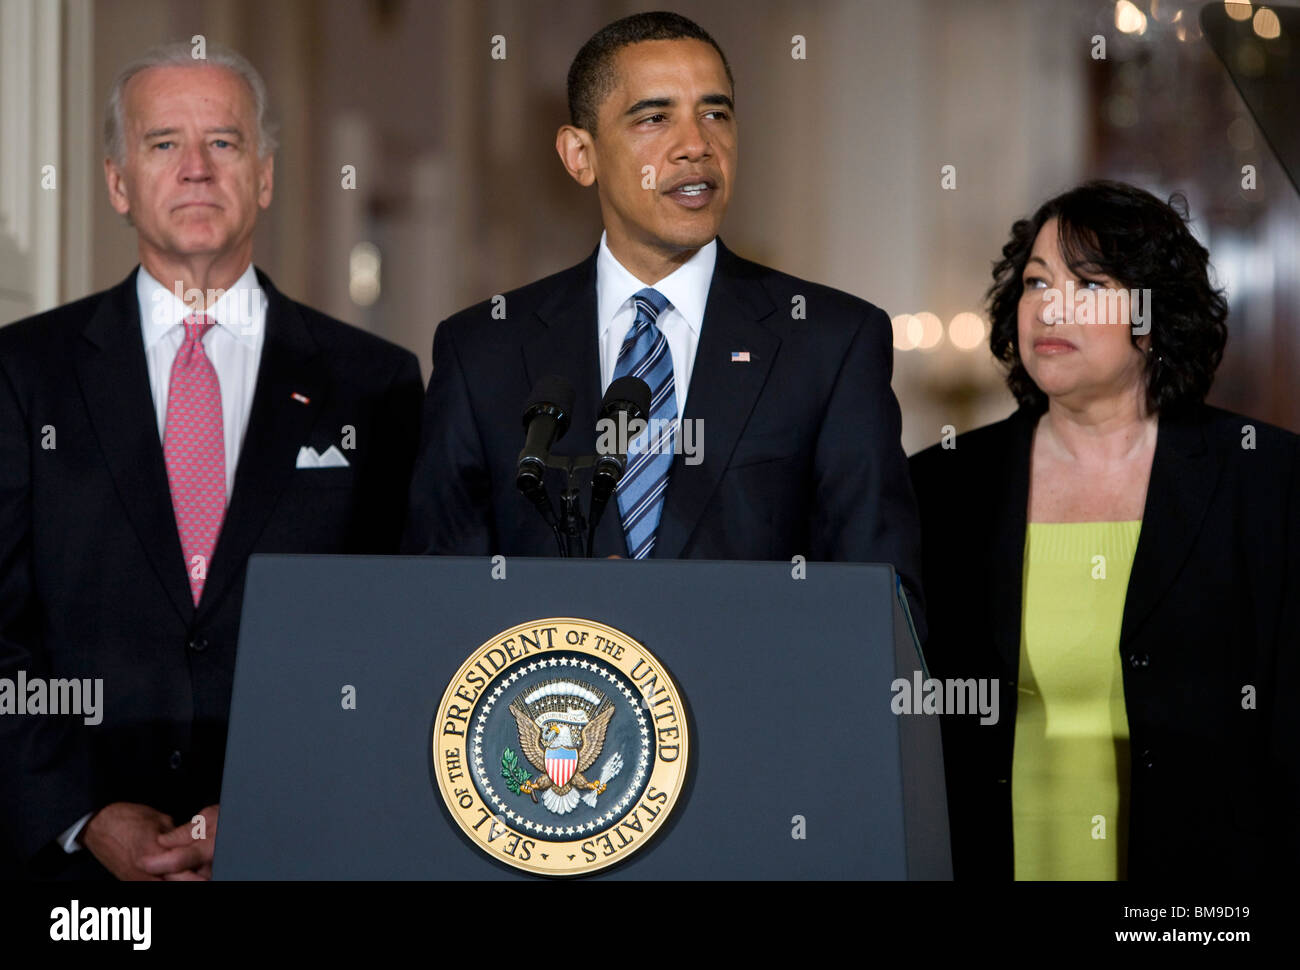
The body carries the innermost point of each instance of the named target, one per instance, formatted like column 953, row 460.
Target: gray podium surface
column 787, row 684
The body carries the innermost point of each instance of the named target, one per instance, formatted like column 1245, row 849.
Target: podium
column 796, row 765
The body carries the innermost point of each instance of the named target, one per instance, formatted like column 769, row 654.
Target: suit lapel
column 114, row 379
column 1006, row 565
column 278, row 426
column 721, row 395
column 1184, row 474
column 567, row 346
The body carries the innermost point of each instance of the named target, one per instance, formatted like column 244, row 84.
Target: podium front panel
column 795, row 766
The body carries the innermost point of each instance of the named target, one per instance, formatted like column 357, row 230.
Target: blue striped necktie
column 645, row 354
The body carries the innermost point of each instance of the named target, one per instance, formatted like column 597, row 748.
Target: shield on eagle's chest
column 561, row 763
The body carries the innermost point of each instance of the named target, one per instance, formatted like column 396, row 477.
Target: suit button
column 1139, row 661
column 1145, row 758
column 174, row 762
column 198, row 644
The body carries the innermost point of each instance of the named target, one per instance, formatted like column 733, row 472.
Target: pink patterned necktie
column 194, row 447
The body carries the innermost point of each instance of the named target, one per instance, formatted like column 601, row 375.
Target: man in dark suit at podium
column 152, row 438
column 789, row 401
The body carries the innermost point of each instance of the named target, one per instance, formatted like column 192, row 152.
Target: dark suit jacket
column 92, row 581
column 801, row 452
column 1211, row 608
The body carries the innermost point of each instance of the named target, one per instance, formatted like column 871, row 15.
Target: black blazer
column 1211, row 609
column 801, row 452
column 92, row 581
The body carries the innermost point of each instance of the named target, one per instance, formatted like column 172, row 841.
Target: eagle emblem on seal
column 562, row 725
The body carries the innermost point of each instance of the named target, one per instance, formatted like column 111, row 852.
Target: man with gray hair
column 152, row 438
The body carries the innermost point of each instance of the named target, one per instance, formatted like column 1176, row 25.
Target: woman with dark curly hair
column 1123, row 561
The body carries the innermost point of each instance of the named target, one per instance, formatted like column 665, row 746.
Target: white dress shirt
column 686, row 288
column 234, row 346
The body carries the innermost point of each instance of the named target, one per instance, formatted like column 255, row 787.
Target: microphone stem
column 571, row 511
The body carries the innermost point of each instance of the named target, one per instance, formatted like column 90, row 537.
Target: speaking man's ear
column 577, row 153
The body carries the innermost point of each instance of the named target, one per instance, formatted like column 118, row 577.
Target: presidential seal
column 560, row 746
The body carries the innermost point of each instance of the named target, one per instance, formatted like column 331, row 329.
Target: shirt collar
column 161, row 309
column 686, row 288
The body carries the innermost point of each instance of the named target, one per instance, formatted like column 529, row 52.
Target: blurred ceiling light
column 966, row 330
column 1266, row 24
column 364, row 263
column 904, row 339
column 928, row 329
column 1237, row 9
column 1164, row 11
column 1185, row 27
column 1129, row 19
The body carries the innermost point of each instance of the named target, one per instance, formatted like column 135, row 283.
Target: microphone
column 546, row 418
column 627, row 400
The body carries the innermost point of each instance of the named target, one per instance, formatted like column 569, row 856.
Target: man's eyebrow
column 645, row 103
column 223, row 130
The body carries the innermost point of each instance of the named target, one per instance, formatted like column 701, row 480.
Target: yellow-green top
column 1070, row 773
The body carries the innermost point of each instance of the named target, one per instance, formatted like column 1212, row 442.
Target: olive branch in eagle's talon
column 514, row 774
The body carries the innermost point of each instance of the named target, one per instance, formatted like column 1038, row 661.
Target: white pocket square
column 331, row 457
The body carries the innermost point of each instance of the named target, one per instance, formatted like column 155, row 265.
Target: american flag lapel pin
column 300, row 398
column 740, row 356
